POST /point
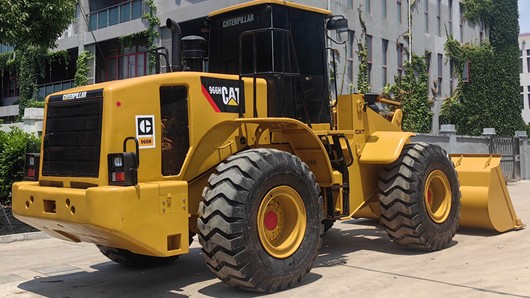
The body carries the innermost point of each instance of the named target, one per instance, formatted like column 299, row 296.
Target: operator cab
column 281, row 42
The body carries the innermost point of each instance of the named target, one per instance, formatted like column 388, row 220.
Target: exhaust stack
column 176, row 45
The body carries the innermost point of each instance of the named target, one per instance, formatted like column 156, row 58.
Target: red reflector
column 118, row 177
column 31, row 173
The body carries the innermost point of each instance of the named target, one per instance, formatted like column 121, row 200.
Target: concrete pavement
column 357, row 259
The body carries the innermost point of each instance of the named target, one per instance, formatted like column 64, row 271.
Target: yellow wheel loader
column 249, row 154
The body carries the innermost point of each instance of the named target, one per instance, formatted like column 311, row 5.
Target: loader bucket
column 486, row 203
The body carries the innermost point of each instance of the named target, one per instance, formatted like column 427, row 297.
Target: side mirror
column 338, row 23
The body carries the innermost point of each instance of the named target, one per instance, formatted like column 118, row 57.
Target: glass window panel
column 93, row 22
column 42, row 92
column 132, row 66
column 141, row 64
column 125, row 12
column 136, row 9
column 399, row 17
column 112, row 71
column 113, row 16
column 102, row 19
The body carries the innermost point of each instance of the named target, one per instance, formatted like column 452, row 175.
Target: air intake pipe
column 176, row 45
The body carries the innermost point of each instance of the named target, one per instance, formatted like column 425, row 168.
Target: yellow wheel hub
column 281, row 221
column 437, row 195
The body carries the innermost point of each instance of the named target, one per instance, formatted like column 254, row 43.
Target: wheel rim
column 281, row 221
column 437, row 196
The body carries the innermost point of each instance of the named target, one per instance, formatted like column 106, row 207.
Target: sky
column 524, row 16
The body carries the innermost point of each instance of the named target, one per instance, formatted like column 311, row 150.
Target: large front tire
column 420, row 198
column 260, row 221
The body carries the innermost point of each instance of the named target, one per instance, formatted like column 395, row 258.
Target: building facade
column 524, row 58
column 100, row 26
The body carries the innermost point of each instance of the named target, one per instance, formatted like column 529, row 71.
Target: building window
column 128, row 64
column 399, row 48
column 451, row 76
column 399, row 14
column 521, row 65
column 369, row 56
column 528, row 64
column 383, row 8
column 368, row 5
column 5, row 48
column 439, row 17
column 123, row 11
column 384, row 63
column 527, row 53
column 482, row 33
column 522, row 96
column 451, row 17
column 440, row 75
column 465, row 72
column 461, row 22
column 350, row 56
column 426, row 16
column 10, row 87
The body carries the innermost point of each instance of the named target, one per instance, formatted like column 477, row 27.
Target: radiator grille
column 72, row 139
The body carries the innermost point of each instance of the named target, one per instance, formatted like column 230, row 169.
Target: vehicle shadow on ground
column 111, row 279
column 364, row 234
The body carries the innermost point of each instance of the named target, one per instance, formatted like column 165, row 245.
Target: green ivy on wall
column 151, row 32
column 490, row 96
column 412, row 90
column 82, row 68
column 363, row 84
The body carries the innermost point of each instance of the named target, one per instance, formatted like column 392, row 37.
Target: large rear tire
column 260, row 221
column 420, row 198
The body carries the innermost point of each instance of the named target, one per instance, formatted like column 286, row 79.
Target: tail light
column 31, row 167
column 123, row 167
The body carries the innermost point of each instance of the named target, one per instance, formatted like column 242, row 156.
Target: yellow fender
column 384, row 147
column 486, row 202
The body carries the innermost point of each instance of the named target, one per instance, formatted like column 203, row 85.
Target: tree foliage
column 36, row 23
column 490, row 98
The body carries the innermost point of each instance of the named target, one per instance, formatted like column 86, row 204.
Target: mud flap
column 486, row 203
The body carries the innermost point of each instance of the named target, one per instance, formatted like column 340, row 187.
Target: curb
column 23, row 236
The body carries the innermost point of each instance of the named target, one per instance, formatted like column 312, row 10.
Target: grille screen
column 73, row 137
